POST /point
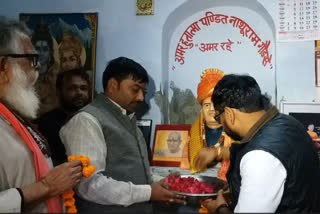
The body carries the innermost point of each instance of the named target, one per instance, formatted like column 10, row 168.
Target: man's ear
column 112, row 85
column 229, row 114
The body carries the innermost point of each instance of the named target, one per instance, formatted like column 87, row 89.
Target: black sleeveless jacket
column 287, row 140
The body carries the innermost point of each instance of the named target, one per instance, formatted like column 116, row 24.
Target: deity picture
column 63, row 42
column 144, row 7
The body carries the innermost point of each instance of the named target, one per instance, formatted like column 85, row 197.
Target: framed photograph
column 310, row 121
column 64, row 42
column 169, row 141
column 306, row 113
column 144, row 7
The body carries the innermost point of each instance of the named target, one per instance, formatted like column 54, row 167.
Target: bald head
column 174, row 141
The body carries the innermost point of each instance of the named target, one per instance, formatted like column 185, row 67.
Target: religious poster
column 298, row 20
column 144, row 7
column 63, row 42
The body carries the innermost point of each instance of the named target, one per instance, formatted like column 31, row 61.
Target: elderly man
column 26, row 181
column 109, row 136
column 275, row 167
column 173, row 145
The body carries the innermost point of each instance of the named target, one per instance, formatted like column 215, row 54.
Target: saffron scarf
column 40, row 163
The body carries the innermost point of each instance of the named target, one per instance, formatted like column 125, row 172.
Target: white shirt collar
column 123, row 111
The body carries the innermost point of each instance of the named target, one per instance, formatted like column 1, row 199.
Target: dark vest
column 127, row 157
column 287, row 140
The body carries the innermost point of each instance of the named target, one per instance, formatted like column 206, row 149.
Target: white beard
column 20, row 93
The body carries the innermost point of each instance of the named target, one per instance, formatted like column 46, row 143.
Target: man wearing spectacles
column 208, row 143
column 26, row 181
column 274, row 167
column 32, row 58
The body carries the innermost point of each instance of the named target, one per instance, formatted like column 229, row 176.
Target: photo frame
column 144, row 7
column 63, row 41
column 308, row 119
column 305, row 113
column 169, row 141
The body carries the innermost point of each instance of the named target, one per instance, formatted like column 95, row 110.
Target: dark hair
column 241, row 92
column 41, row 33
column 67, row 76
column 122, row 68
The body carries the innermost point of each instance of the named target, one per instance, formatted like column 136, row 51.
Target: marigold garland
column 87, row 170
column 202, row 209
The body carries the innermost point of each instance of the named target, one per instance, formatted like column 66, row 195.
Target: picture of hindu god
column 68, row 55
column 43, row 43
column 72, row 54
column 173, row 145
column 48, row 68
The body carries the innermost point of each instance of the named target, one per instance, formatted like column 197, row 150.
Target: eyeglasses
column 33, row 58
column 217, row 117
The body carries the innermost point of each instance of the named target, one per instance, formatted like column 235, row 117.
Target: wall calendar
column 298, row 20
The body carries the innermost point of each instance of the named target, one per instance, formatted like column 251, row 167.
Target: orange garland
column 87, row 170
column 203, row 209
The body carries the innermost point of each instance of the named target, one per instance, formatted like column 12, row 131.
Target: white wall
column 122, row 33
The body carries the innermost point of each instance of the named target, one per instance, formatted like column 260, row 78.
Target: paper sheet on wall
column 298, row 20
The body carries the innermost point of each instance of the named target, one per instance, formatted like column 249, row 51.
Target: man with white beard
column 26, row 182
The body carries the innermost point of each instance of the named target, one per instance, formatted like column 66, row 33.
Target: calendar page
column 298, row 20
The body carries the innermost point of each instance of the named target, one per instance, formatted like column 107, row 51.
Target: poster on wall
column 298, row 20
column 63, row 42
column 144, row 7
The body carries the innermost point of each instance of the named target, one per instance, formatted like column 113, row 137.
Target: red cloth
column 40, row 163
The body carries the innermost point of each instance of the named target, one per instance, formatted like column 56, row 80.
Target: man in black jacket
column 73, row 91
column 275, row 167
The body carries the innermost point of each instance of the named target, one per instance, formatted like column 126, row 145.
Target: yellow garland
column 87, row 170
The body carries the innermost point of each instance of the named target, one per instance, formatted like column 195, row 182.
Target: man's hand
column 160, row 192
column 204, row 157
column 212, row 205
column 59, row 180
column 62, row 178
